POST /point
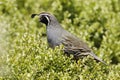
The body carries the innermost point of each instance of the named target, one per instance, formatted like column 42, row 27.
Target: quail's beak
column 40, row 18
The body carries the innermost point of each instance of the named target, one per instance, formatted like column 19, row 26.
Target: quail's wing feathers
column 72, row 43
column 77, row 47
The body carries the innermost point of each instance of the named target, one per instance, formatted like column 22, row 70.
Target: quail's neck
column 54, row 25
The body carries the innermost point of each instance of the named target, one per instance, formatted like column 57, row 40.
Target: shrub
column 24, row 54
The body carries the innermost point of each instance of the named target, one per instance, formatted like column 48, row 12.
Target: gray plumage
column 56, row 35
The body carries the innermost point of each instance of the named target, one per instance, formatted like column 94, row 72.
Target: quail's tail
column 97, row 58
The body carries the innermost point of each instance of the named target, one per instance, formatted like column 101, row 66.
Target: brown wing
column 75, row 45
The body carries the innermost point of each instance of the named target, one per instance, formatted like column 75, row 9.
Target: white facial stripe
column 47, row 19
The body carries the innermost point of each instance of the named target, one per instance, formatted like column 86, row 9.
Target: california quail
column 57, row 35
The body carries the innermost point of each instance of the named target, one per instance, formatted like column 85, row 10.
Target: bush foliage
column 24, row 54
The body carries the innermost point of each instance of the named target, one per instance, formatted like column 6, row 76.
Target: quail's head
column 46, row 18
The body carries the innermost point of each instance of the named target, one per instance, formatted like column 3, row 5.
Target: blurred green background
column 24, row 54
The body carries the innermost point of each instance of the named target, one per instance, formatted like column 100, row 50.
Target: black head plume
column 33, row 15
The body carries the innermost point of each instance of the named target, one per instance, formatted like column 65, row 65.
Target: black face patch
column 44, row 19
